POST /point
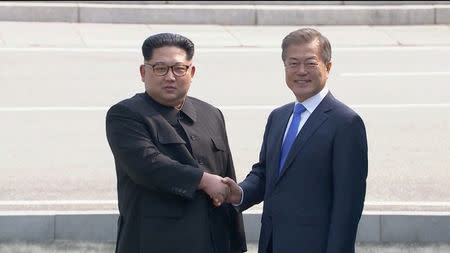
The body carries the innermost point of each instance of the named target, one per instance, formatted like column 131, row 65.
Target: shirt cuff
column 242, row 197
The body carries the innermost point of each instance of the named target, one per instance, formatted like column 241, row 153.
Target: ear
column 329, row 66
column 192, row 71
column 142, row 70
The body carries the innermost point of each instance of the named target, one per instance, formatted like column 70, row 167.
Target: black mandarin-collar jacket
column 160, row 154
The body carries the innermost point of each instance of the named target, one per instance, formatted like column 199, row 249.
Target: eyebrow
column 176, row 63
column 309, row 58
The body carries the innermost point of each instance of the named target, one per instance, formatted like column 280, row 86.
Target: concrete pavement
column 62, row 246
column 84, row 35
column 31, row 44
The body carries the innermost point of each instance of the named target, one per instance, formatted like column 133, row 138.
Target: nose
column 170, row 76
column 301, row 70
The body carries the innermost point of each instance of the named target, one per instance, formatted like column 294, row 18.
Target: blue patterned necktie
column 291, row 134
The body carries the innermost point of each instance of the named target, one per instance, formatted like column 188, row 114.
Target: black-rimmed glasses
column 162, row 69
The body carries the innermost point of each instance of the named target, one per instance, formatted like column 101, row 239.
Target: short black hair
column 306, row 35
column 167, row 39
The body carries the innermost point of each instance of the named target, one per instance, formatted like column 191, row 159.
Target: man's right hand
column 235, row 195
column 214, row 187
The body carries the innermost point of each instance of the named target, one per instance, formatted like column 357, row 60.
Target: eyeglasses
column 162, row 69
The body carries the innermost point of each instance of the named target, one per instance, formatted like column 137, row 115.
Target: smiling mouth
column 302, row 81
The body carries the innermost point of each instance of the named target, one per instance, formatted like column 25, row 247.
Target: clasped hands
column 220, row 189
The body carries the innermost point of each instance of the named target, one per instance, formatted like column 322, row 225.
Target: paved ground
column 83, row 247
column 58, row 79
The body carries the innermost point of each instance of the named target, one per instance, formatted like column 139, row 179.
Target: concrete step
column 168, row 12
column 374, row 227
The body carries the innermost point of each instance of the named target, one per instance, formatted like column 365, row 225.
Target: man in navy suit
column 312, row 166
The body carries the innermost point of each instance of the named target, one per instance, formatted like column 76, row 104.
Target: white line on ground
column 69, row 49
column 271, row 107
column 52, row 108
column 389, row 106
column 395, row 74
column 407, row 203
column 107, row 202
column 393, row 48
column 51, row 213
column 407, row 213
column 223, row 107
column 55, row 202
column 218, row 49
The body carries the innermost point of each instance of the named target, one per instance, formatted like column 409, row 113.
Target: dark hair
column 306, row 35
column 167, row 39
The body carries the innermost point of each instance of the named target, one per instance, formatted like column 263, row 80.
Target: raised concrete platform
column 374, row 227
column 243, row 13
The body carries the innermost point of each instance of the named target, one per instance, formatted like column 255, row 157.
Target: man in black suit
column 312, row 166
column 171, row 152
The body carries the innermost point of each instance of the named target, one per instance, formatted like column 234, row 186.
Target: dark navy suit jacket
column 315, row 204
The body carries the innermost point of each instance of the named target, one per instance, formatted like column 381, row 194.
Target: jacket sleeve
column 237, row 235
column 349, row 185
column 136, row 154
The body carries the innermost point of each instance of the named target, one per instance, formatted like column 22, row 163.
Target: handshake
column 220, row 189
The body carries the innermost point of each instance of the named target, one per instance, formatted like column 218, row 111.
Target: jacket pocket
column 218, row 144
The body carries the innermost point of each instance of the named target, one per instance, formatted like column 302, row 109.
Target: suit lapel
column 315, row 120
column 282, row 122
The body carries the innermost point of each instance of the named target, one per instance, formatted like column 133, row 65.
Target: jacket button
column 193, row 137
column 201, row 162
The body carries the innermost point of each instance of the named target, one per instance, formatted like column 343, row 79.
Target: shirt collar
column 311, row 103
column 188, row 109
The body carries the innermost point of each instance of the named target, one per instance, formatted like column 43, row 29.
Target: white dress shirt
column 310, row 104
